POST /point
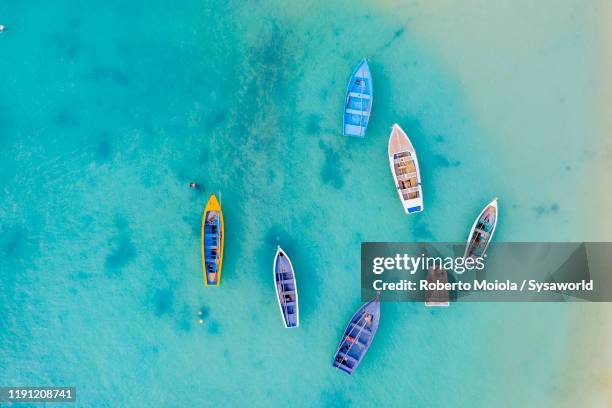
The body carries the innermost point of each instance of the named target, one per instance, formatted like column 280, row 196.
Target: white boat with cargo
column 405, row 170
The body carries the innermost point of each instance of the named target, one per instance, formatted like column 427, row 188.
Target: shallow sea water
column 109, row 109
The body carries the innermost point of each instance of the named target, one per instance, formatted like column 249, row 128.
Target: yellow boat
column 213, row 235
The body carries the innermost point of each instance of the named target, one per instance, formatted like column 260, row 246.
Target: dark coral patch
column 104, row 150
column 444, row 162
column 123, row 254
column 65, row 44
column 332, row 171
column 335, row 398
column 13, row 242
column 105, row 74
column 195, row 223
column 74, row 23
column 396, row 35
column 544, row 209
column 276, row 234
column 271, row 176
column 184, row 324
column 163, row 301
column 214, row 328
column 121, row 222
column 422, row 231
column 216, row 118
column 64, row 118
column 313, row 124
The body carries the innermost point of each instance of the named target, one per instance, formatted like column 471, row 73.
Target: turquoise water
column 109, row 109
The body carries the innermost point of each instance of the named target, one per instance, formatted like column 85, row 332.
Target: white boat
column 405, row 170
column 286, row 289
column 482, row 231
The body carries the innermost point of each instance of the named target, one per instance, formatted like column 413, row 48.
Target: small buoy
column 200, row 321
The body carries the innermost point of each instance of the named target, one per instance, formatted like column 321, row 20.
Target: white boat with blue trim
column 286, row 289
column 482, row 231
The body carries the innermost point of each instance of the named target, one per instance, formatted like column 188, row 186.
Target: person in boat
column 213, row 253
column 350, row 339
column 211, row 217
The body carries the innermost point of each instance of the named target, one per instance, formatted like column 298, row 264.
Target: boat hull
column 482, row 231
column 358, row 101
column 404, row 165
column 286, row 289
column 357, row 337
column 213, row 240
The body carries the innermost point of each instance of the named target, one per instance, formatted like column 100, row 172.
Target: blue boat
column 358, row 337
column 358, row 101
column 286, row 289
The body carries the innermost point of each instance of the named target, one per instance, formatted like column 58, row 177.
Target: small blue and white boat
column 482, row 231
column 358, row 101
column 358, row 337
column 286, row 289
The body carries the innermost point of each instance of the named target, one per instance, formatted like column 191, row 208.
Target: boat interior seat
column 359, row 95
column 348, row 357
column 343, row 367
column 364, row 328
column 357, row 112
